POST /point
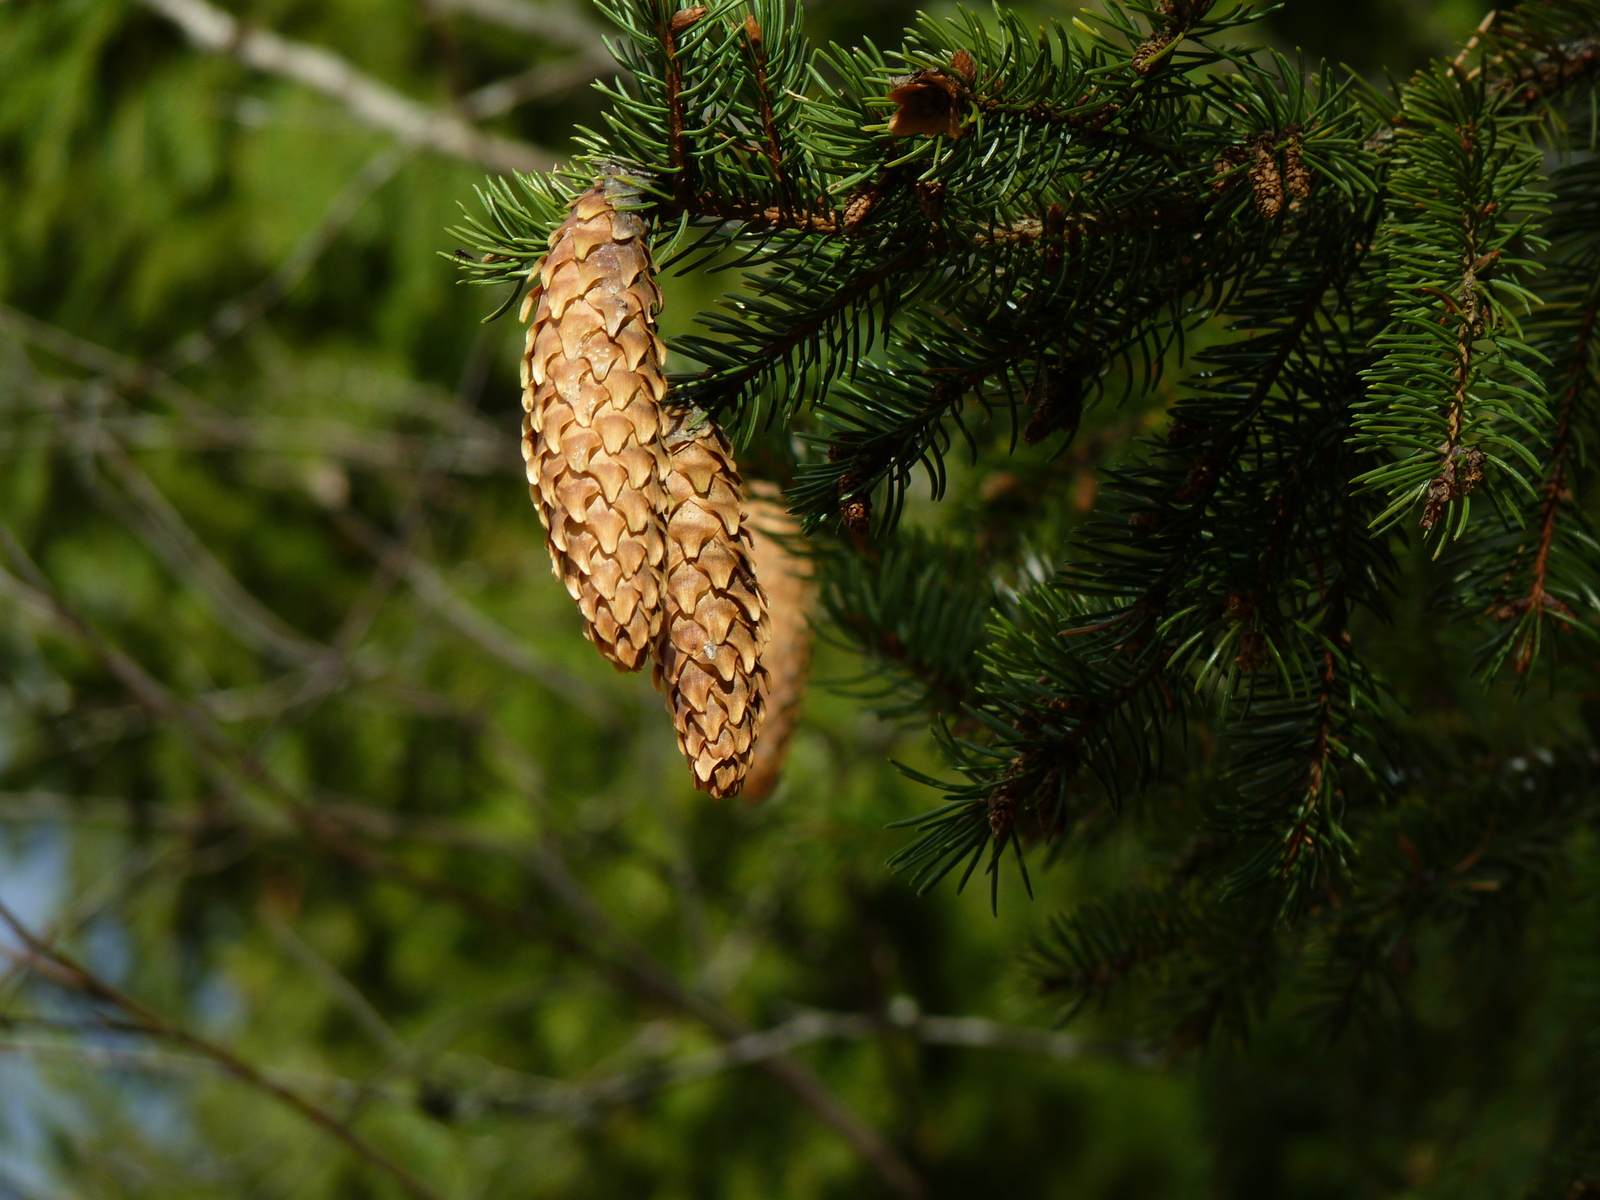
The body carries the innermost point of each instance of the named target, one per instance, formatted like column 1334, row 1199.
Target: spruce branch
column 915, row 607
column 1455, row 382
column 1533, row 577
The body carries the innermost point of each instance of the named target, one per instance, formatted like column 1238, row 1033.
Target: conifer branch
column 1537, row 601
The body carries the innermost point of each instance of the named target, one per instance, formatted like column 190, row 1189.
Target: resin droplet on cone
column 592, row 385
column 715, row 630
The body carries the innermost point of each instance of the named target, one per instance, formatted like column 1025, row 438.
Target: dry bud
column 1252, row 650
column 1462, row 472
column 859, row 208
column 1296, row 174
column 927, row 103
column 1149, row 52
column 1003, row 811
column 1435, row 501
column 1229, row 161
column 856, row 515
column 1200, row 477
column 1469, row 469
column 1147, row 521
column 1058, row 405
column 1265, row 179
column 961, row 63
column 686, row 17
column 1003, row 801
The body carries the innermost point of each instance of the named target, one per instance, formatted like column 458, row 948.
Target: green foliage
column 1455, row 383
column 301, row 748
column 1341, row 313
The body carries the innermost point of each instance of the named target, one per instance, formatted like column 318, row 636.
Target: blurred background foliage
column 300, row 744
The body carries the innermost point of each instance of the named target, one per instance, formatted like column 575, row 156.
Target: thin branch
column 335, row 984
column 546, row 79
column 635, row 968
column 169, row 536
column 478, row 449
column 523, row 1095
column 238, row 314
column 753, row 35
column 551, row 22
column 370, row 101
column 1023, row 231
column 119, row 369
column 798, row 333
column 165, row 531
column 680, row 160
column 374, row 449
column 66, row 972
column 138, row 865
column 806, row 1028
column 477, row 626
column 891, row 1168
column 49, row 807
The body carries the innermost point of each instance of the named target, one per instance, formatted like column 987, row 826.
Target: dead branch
column 66, row 972
column 551, row 22
column 233, row 770
column 370, row 101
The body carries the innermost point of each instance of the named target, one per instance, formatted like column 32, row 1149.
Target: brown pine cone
column 715, row 630
column 592, row 385
column 786, row 578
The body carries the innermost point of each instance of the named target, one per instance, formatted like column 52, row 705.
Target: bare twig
column 552, row 22
column 66, row 972
column 118, row 369
column 891, row 1168
column 335, row 984
column 623, row 959
column 240, row 313
column 169, row 536
column 374, row 449
column 368, row 100
column 546, row 79
column 478, row 627
column 513, row 1092
column 59, row 807
column 476, row 448
column 138, row 864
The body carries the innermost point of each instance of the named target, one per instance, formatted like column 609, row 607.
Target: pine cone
column 592, row 388
column 709, row 654
column 786, row 578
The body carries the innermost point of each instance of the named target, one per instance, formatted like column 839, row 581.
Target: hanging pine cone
column 786, row 579
column 715, row 629
column 592, row 385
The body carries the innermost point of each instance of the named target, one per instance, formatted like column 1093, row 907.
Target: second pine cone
column 715, row 620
